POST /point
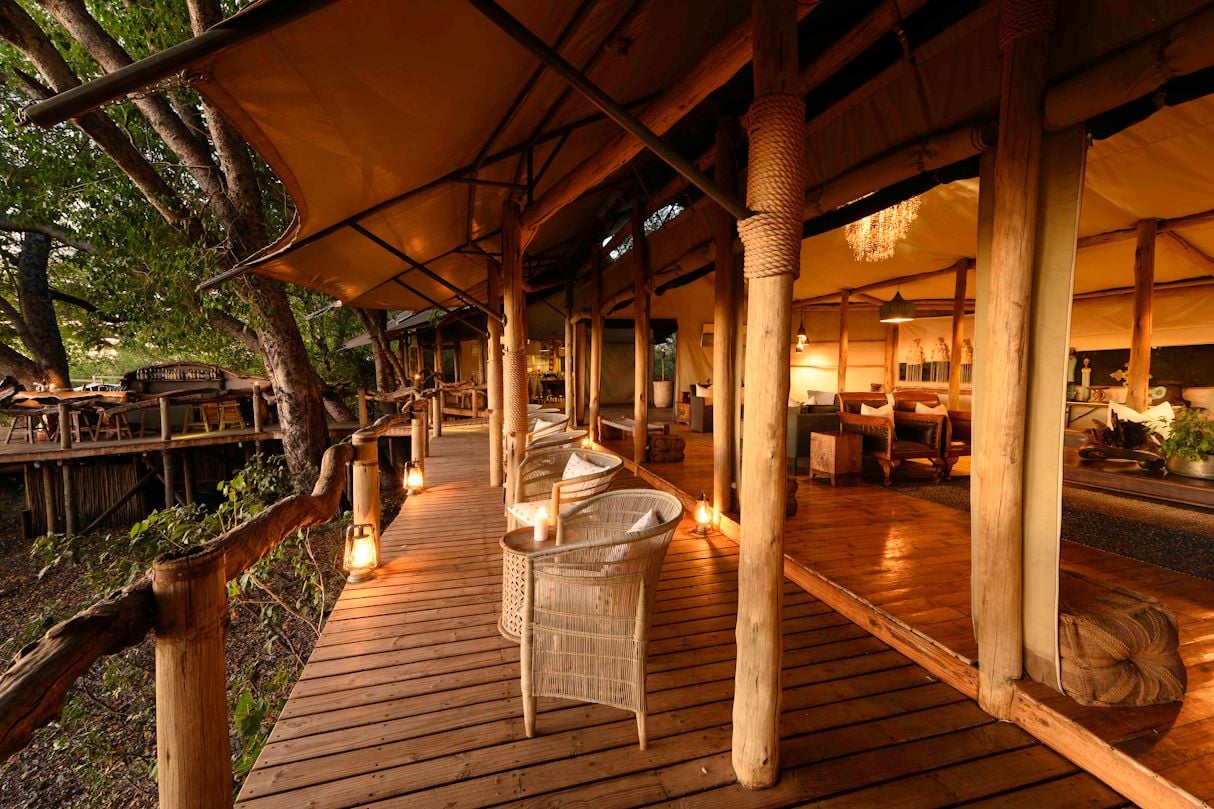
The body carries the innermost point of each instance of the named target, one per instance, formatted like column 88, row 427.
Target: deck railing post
column 166, row 421
column 193, row 751
column 436, row 407
column 258, row 416
column 363, row 417
column 417, row 437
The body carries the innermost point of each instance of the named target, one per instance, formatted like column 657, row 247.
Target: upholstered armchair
column 890, row 442
column 958, row 439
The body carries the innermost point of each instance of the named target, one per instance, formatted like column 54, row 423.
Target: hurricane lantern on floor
column 897, row 310
column 587, row 443
column 703, row 515
column 361, row 555
column 415, row 479
column 874, row 237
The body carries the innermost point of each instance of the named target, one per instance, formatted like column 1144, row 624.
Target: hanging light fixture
column 897, row 310
column 802, row 337
column 874, row 237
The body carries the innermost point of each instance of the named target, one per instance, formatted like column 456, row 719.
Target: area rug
column 1178, row 538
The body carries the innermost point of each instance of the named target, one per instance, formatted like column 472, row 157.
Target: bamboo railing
column 183, row 601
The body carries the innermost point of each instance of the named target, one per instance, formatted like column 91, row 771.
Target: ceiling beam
column 614, row 110
column 1186, row 248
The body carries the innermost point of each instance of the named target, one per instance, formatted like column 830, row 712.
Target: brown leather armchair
column 912, row 435
column 958, row 437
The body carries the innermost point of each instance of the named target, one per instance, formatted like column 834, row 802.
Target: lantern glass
column 414, row 478
column 361, row 555
column 703, row 515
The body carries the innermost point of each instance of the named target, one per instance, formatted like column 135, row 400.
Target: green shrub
column 1192, row 436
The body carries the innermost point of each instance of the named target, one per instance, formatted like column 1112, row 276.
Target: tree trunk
column 301, row 412
column 35, row 323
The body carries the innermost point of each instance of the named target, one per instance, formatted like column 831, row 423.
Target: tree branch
column 50, row 231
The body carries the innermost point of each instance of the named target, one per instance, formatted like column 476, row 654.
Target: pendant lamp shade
column 897, row 310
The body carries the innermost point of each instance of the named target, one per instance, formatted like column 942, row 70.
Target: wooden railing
column 183, row 600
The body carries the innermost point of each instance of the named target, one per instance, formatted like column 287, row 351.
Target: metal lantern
column 703, row 515
column 415, row 479
column 361, row 555
column 898, row 310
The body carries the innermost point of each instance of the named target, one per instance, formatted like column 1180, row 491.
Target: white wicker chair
column 543, row 424
column 551, row 440
column 587, row 604
column 540, row 480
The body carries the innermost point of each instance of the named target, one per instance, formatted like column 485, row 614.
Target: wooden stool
column 834, row 454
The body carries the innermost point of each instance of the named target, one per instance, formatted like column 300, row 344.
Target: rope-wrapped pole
column 514, row 368
column 772, row 241
column 493, row 373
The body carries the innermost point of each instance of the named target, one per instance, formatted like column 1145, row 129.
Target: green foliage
column 294, row 585
column 1192, row 436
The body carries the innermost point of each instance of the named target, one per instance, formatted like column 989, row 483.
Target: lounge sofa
column 958, row 439
column 909, row 436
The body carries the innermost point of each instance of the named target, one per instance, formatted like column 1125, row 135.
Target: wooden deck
column 411, row 696
column 900, row 566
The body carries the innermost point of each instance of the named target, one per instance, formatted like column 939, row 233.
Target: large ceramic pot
column 1192, row 469
column 663, row 393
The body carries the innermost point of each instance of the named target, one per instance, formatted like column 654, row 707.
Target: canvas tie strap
column 1021, row 18
column 776, row 188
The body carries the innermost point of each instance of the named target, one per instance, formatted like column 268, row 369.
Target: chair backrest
column 546, row 424
column 850, row 402
column 595, row 547
column 542, row 469
column 906, row 399
column 551, row 440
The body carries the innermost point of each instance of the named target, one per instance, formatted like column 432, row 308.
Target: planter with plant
column 1190, row 447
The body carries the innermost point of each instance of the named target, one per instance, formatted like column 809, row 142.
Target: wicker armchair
column 544, row 424
column 958, row 441
column 551, row 440
column 911, row 436
column 587, row 604
column 540, row 481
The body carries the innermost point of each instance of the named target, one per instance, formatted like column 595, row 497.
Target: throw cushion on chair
column 940, row 409
column 885, row 411
column 577, row 466
column 525, row 512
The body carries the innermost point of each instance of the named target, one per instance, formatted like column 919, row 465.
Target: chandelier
column 874, row 237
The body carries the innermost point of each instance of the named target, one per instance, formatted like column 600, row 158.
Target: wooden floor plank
column 411, row 696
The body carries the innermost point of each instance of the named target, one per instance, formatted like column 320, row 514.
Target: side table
column 517, row 546
column 834, row 454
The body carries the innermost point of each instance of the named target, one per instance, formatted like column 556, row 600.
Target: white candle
column 541, row 525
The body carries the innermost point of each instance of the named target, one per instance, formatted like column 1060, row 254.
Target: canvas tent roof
column 379, row 112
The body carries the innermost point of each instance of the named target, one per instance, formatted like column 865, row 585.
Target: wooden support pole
column 193, row 752
column 570, row 358
column 998, row 459
column 49, row 503
column 891, row 357
column 844, row 301
column 772, row 240
column 65, row 426
column 364, row 489
column 166, row 463
column 958, row 344
column 726, row 283
column 70, row 515
column 493, row 374
column 1138, row 380
column 166, row 421
column 642, row 362
column 187, row 478
column 514, row 376
column 425, row 434
column 582, row 353
column 596, row 345
column 363, row 415
column 259, row 415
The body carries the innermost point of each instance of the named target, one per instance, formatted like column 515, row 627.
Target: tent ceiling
column 377, row 109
